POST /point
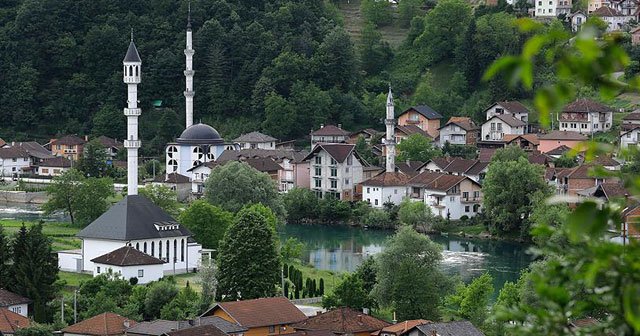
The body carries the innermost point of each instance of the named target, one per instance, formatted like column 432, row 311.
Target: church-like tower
column 188, row 73
column 132, row 66
column 390, row 139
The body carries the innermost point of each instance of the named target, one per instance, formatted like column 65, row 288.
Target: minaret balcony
column 132, row 79
column 189, row 93
column 189, row 52
column 189, row 72
column 389, row 121
column 132, row 144
column 132, row 112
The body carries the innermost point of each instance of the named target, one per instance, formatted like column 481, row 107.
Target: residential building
column 410, row 168
column 497, row 126
column 162, row 327
column 69, row 146
column 459, row 131
column 457, row 328
column 528, row 142
column 635, row 36
column 368, row 134
column 129, row 263
column 256, row 140
column 555, row 139
column 335, row 170
column 37, row 152
column 329, row 134
column 179, row 183
column 631, row 121
column 200, row 174
column 14, row 161
column 630, row 226
column 53, row 167
column 262, row 317
column 630, row 138
column 448, row 196
column 614, row 19
column 473, row 169
column 558, row 151
column 14, row 302
column 513, row 108
column 399, row 329
column 577, row 20
column 582, row 177
column 385, row 188
column 423, row 116
column 343, row 321
column 552, row 8
column 105, row 324
column 403, row 132
column 586, row 116
column 11, row 322
column 111, row 146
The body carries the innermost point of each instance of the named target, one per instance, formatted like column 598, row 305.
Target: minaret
column 132, row 76
column 188, row 73
column 390, row 140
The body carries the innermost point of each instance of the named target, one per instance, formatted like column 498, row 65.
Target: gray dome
column 200, row 134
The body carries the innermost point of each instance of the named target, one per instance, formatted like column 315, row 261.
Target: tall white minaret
column 188, row 73
column 390, row 140
column 132, row 77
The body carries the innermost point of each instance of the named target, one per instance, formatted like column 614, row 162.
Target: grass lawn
column 331, row 279
column 63, row 235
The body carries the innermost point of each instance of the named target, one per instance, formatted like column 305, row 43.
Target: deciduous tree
column 417, row 147
column 162, row 196
column 471, row 302
column 207, row 222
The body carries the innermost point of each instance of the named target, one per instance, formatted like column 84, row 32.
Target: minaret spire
column 390, row 139
column 132, row 67
column 188, row 73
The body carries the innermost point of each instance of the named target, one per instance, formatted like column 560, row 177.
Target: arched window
column 197, row 163
column 175, row 250
column 138, row 246
column 171, row 150
column 153, row 250
column 182, row 249
column 160, row 249
column 173, row 164
column 167, row 250
column 136, row 71
column 145, row 247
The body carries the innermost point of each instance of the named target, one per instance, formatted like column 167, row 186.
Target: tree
column 184, row 306
column 207, row 222
column 248, row 259
column 376, row 12
column 444, row 27
column 401, row 267
column 83, row 199
column 291, row 249
column 208, row 279
column 471, row 302
column 34, row 330
column 34, row 270
column 235, row 184
column 301, row 205
column 415, row 214
column 160, row 293
column 417, row 147
column 93, row 162
column 5, row 257
column 161, row 196
column 565, row 161
column 375, row 53
column 377, row 218
column 349, row 293
column 509, row 153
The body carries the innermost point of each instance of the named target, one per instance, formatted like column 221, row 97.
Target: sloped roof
column 560, row 150
column 464, row 122
column 563, row 135
column 68, row 140
column 337, row 151
column 538, row 158
column 613, row 190
column 412, row 129
column 105, row 324
column 10, row 322
column 436, row 180
column 605, row 161
column 425, row 110
column 409, row 167
column 160, row 327
column 8, row 298
column 263, row 164
column 532, row 138
column 401, row 328
column 134, row 217
column 35, row 149
column 477, row 168
column 633, row 115
column 132, row 54
column 59, row 161
column 172, row 178
column 512, row 106
column 109, row 142
column 127, row 256
column 13, row 152
column 205, row 330
column 509, row 120
column 588, row 105
column 606, row 11
column 486, row 154
column 460, row 165
column 456, row 328
column 583, row 172
column 261, row 312
column 387, row 179
column 342, row 321
column 275, row 154
column 255, row 137
column 330, row 130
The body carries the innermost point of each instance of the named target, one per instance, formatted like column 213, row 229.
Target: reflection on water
column 339, row 249
column 27, row 212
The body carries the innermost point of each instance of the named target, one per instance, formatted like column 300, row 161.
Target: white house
column 335, row 170
column 458, row 131
column 176, row 182
column 256, row 140
column 448, row 196
column 577, row 20
column 53, row 167
column 127, row 262
column 473, row 169
column 14, row 302
column 630, row 138
column 495, row 128
column 13, row 161
column 614, row 19
column 586, row 116
column 552, row 8
column 329, row 134
column 513, row 108
column 385, row 188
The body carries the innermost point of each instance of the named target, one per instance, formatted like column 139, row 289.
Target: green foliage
column 417, row 147
column 184, row 306
column 158, row 295
column 349, row 293
column 333, row 210
column 248, row 260
column 462, row 151
column 235, row 184
column 107, row 292
column 83, row 199
column 5, row 256
column 565, row 161
column 415, row 214
column 208, row 279
column 291, row 249
column 376, row 12
column 375, row 54
column 207, row 222
column 301, row 205
column 162, row 196
column 509, row 153
column 407, row 10
column 378, row 218
column 444, row 27
column 35, row 330
column 470, row 302
column 93, row 162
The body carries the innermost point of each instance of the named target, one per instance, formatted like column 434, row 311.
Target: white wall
column 377, row 196
column 68, row 261
column 50, row 171
column 149, row 272
column 492, row 112
column 258, row 145
column 453, row 134
column 629, row 139
column 20, row 309
column 8, row 167
column 593, row 123
column 501, row 128
column 347, row 175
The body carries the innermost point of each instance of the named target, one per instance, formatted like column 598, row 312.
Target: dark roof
column 205, row 330
column 401, row 328
column 425, row 110
column 632, row 115
column 456, row 328
column 606, row 11
column 337, row 151
column 409, row 167
column 612, row 190
column 171, row 178
column 563, row 135
column 486, row 154
column 329, row 130
column 105, row 324
column 35, row 149
column 512, row 106
column 160, row 327
column 68, row 140
column 8, row 298
column 255, row 137
column 342, row 321
column 59, row 161
column 437, row 181
column 387, row 179
column 477, row 168
column 276, row 154
column 464, row 122
column 134, row 217
column 263, row 164
column 261, row 312
column 127, row 256
column 369, row 131
column 588, row 105
column 412, row 129
column 583, row 172
column 132, row 54
column 200, row 134
column 109, row 142
column 13, row 152
column 605, row 161
column 538, row 158
column 509, row 120
column 560, row 150
column 458, row 165
column 10, row 322
column 532, row 138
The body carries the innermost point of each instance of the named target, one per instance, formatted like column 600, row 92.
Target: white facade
column 51, row 171
column 453, row 134
column 593, row 123
column 13, row 166
column 70, row 261
column 258, row 145
column 577, row 20
column 180, row 158
column 498, row 109
column 377, row 196
column 144, row 273
column 20, row 309
column 463, row 199
column 552, row 8
column 329, row 177
column 629, row 138
column 494, row 129
column 616, row 23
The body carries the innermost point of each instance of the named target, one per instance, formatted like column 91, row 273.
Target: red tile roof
column 465, row 122
column 127, row 256
column 58, row 161
column 68, row 140
column 436, row 181
column 588, row 105
column 409, row 167
column 264, row 165
column 605, row 161
column 342, row 321
column 606, row 11
column 387, row 179
column 399, row 329
column 337, row 151
column 261, row 312
column 10, row 322
column 633, row 115
column 172, row 178
column 512, row 106
column 486, row 154
column 105, row 324
column 532, row 138
column 563, row 135
column 411, row 129
column 560, row 150
column 109, row 142
column 330, row 130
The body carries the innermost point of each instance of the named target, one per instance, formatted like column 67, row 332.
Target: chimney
column 365, row 311
column 340, row 126
column 359, row 318
column 321, row 125
column 126, row 324
column 394, row 318
column 86, row 138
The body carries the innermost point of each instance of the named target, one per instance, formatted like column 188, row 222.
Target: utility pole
column 75, row 306
column 62, row 309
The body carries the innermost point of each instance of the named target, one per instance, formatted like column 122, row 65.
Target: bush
column 464, row 218
column 376, row 12
column 377, row 218
column 133, row 281
column 441, row 226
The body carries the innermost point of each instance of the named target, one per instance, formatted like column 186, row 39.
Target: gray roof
column 509, row 120
column 200, row 134
column 457, row 328
column 255, row 137
column 426, row 111
column 275, row 154
column 160, row 327
column 8, row 298
column 134, row 217
column 132, row 54
column 35, row 149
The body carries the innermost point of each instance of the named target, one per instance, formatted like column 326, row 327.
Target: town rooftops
column 635, row 115
column 563, row 135
column 8, row 298
column 401, row 328
column 338, row 152
column 611, row 190
column 264, row 165
column 512, row 106
column 532, row 138
column 560, row 150
column 606, row 161
column 409, row 167
column 458, row 165
column 109, row 142
column 509, row 120
column 588, row 105
column 160, row 327
column 172, row 178
column 10, row 322
column 13, row 153
column 255, row 137
column 387, row 179
column 412, row 129
column 463, row 122
column 34, row 149
column 606, row 11
column 275, row 154
column 134, row 217
column 105, row 324
column 260, row 312
column 342, row 321
column 456, row 328
column 585, row 171
column 436, row 180
column 70, row 140
column 205, row 330
column 127, row 256
column 330, row 130
column 425, row 110
column 59, row 161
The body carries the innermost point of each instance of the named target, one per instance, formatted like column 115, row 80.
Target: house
column 497, row 126
column 111, row 146
column 335, row 170
column 37, row 152
column 11, row 322
column 262, row 317
column 200, row 175
column 256, row 140
column 574, row 180
column 368, row 134
column 403, row 132
column 14, row 302
column 577, row 18
column 629, row 138
column 343, row 321
column 14, row 161
column 454, row 328
column 399, row 329
column 53, row 167
column 607, row 162
column 69, row 146
column 371, row 172
column 586, row 116
column 513, row 108
column 614, row 19
column 528, row 142
column 422, row 116
column 410, row 168
column 128, row 263
column 626, row 7
column 630, row 226
column 607, row 192
column 555, row 139
column 552, row 8
column 558, row 151
column 473, row 169
column 448, row 196
column 459, row 131
column 631, row 121
column 387, row 187
column 105, row 324
column 162, row 327
column 329, row 134
column 177, row 182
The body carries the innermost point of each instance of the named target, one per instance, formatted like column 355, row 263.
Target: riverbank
column 63, row 235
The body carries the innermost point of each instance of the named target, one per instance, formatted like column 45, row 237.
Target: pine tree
column 321, row 289
column 4, row 258
column 285, row 271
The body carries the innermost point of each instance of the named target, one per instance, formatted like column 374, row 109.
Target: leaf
column 507, row 64
column 586, row 220
column 631, row 303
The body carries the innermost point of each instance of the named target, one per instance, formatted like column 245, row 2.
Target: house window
column 272, row 329
column 160, row 249
column 583, row 125
column 476, row 207
column 499, row 127
column 98, row 269
column 350, row 160
column 145, row 247
column 395, row 191
column 318, row 171
column 167, row 246
column 334, row 172
column 14, row 160
column 334, row 184
column 182, row 250
column 319, row 194
column 564, row 124
column 465, row 194
column 346, row 181
column 595, row 126
column 466, row 208
column 140, row 273
column 493, row 126
column 318, row 183
column 499, row 110
column 628, row 135
column 375, row 201
column 17, row 310
column 452, row 199
column 333, row 162
column 368, row 190
column 476, row 194
column 318, row 160
column 138, row 246
column 175, row 250
column 46, row 170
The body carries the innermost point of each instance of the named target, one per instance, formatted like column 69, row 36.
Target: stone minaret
column 390, row 140
column 132, row 76
column 188, row 73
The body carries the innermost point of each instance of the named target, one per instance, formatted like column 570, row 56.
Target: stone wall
column 23, row 197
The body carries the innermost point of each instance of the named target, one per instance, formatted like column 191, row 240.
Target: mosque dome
column 200, row 134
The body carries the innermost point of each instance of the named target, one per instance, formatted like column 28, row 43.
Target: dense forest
column 280, row 66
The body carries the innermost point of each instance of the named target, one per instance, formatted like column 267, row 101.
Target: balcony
column 471, row 199
column 132, row 112
column 70, row 151
column 132, row 143
column 436, row 205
